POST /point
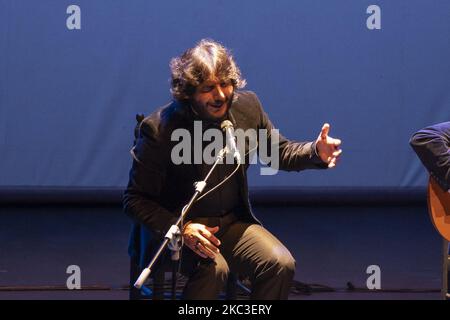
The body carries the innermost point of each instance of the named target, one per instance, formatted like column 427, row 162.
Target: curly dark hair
column 207, row 59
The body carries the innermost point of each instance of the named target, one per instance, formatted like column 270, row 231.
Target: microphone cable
column 226, row 178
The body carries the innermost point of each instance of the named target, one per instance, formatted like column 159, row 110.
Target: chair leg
column 231, row 289
column 134, row 294
column 158, row 284
column 446, row 270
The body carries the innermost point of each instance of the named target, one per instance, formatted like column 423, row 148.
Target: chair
column 157, row 291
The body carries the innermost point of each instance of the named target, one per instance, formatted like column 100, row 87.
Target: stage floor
column 333, row 246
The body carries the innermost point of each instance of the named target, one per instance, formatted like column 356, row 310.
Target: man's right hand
column 200, row 239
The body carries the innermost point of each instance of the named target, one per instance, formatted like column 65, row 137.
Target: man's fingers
column 208, row 235
column 212, row 229
column 337, row 153
column 208, row 245
column 332, row 163
column 337, row 142
column 197, row 237
column 328, row 147
column 207, row 249
column 324, row 131
column 212, row 250
column 197, row 250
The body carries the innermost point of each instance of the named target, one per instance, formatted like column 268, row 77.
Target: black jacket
column 158, row 189
column 432, row 145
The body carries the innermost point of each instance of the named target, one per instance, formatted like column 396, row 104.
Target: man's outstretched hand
column 328, row 147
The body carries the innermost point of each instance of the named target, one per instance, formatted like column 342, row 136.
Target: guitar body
column 439, row 208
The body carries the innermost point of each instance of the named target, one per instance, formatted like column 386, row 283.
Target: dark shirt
column 432, row 145
column 224, row 199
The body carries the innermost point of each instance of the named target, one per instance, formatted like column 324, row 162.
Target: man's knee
column 221, row 272
column 207, row 280
column 282, row 264
column 218, row 271
column 286, row 265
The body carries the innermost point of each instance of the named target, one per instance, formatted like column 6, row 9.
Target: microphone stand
column 172, row 239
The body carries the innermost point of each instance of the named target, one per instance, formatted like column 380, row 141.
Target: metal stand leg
column 445, row 270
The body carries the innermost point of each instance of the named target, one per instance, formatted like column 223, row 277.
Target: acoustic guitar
column 439, row 208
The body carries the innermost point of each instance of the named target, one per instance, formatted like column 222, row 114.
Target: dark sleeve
column 147, row 177
column 432, row 145
column 293, row 156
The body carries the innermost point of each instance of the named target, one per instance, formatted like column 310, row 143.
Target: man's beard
column 200, row 110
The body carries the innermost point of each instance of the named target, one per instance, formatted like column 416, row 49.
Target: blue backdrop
column 68, row 97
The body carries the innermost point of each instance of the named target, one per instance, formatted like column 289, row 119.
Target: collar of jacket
column 187, row 112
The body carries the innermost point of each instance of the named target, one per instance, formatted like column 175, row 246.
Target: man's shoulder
column 163, row 118
column 246, row 96
column 247, row 101
column 443, row 127
column 168, row 114
column 439, row 130
column 159, row 113
column 246, row 109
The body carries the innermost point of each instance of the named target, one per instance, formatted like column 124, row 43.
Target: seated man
column 221, row 234
column 432, row 145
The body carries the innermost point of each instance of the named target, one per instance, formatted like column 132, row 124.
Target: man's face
column 212, row 99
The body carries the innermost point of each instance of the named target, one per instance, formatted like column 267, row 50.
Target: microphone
column 227, row 126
